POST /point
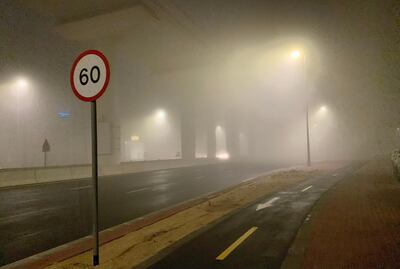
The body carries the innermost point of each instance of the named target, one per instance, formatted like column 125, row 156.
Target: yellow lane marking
column 235, row 244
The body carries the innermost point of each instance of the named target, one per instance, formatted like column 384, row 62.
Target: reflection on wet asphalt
column 37, row 218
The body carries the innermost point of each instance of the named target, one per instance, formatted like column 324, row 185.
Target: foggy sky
column 223, row 59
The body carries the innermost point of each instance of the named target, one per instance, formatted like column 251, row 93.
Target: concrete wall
column 17, row 177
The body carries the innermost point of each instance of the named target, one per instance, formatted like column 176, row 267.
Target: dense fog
column 229, row 80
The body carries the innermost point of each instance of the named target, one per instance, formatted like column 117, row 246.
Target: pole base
column 96, row 260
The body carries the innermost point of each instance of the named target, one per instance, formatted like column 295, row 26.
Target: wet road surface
column 39, row 217
column 257, row 236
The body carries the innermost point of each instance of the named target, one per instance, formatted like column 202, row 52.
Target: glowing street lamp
column 295, row 54
column 322, row 109
column 160, row 114
column 22, row 83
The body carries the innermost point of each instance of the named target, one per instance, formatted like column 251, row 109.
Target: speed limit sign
column 89, row 78
column 90, row 75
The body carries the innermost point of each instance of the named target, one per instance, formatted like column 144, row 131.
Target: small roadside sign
column 46, row 146
column 45, row 149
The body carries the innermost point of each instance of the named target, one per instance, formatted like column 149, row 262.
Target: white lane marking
column 288, row 192
column 162, row 187
column 27, row 214
column 248, row 179
column 138, row 190
column 158, row 172
column 305, row 189
column 31, row 234
column 335, row 174
column 267, row 204
column 28, row 201
column 200, row 177
column 80, row 188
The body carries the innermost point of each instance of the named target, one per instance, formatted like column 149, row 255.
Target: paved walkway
column 356, row 224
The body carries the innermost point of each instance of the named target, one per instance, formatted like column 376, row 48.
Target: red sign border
column 71, row 77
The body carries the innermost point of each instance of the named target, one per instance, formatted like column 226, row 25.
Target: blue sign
column 64, row 115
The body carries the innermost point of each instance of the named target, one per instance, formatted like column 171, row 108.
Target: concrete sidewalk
column 356, row 224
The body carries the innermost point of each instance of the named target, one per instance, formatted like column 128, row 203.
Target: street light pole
column 307, row 114
column 308, row 137
column 297, row 55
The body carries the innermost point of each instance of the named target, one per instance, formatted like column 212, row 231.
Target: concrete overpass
column 160, row 64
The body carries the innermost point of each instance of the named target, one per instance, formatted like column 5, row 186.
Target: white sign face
column 90, row 75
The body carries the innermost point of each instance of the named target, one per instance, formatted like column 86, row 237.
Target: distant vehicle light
column 222, row 156
column 135, row 138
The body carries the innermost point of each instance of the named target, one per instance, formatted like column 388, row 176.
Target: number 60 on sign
column 90, row 75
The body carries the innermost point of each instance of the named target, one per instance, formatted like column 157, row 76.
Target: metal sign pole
column 95, row 186
column 308, row 138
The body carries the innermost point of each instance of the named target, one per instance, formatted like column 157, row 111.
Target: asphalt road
column 258, row 236
column 39, row 217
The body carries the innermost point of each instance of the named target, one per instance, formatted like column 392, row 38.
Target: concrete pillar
column 232, row 135
column 188, row 131
column 211, row 139
column 232, row 141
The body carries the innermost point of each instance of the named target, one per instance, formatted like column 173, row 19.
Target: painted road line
column 305, row 189
column 248, row 179
column 162, row 171
column 40, row 212
column 138, row 190
column 235, row 244
column 335, row 174
column 80, row 188
column 287, row 192
column 267, row 204
column 200, row 177
column 28, row 201
column 308, row 218
column 163, row 186
column 31, row 234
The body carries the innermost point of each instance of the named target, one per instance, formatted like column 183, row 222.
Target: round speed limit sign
column 90, row 75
